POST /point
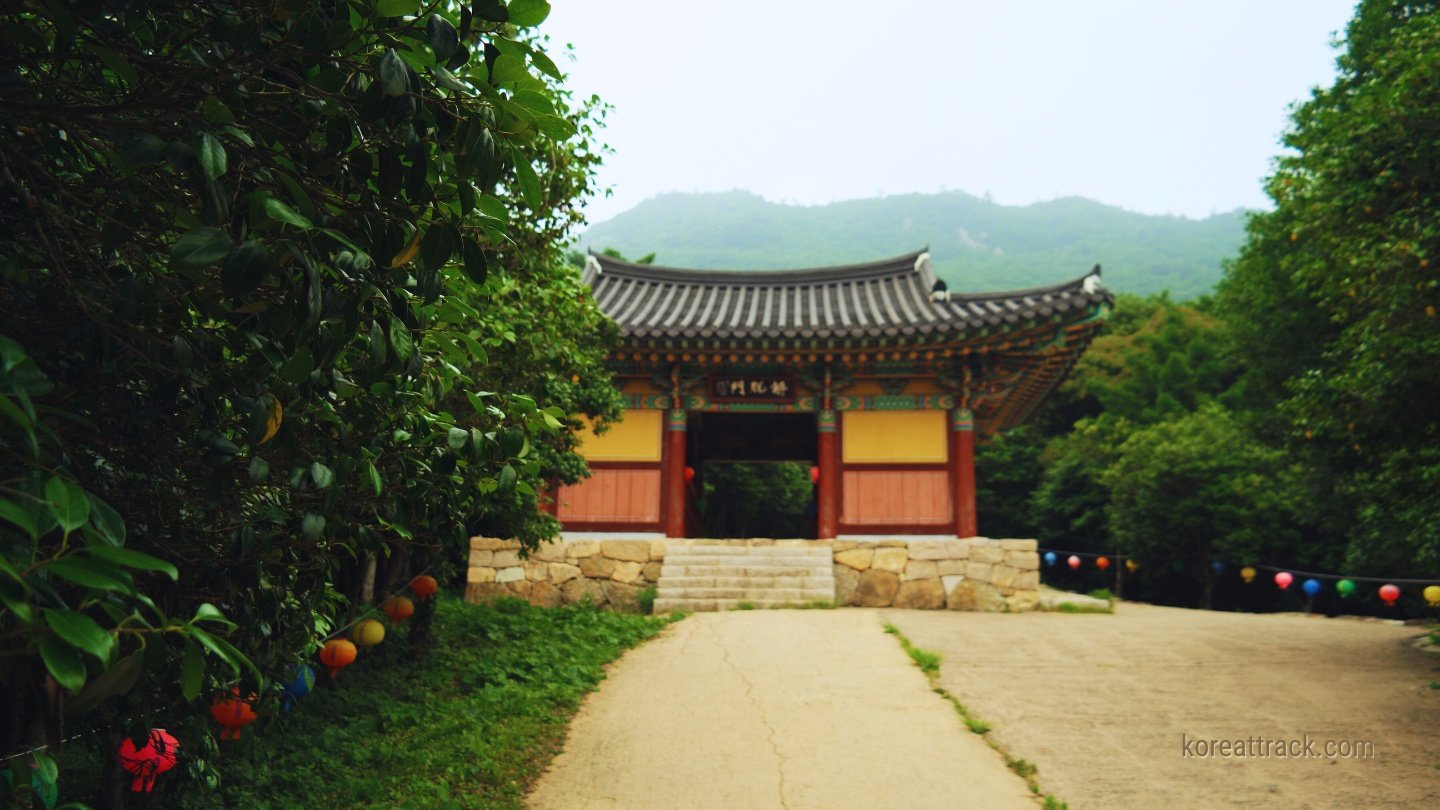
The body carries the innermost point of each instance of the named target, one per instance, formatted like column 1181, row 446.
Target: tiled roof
column 882, row 299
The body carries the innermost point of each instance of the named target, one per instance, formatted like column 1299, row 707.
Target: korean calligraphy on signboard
column 752, row 389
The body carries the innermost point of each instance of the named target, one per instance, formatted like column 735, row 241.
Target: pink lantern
column 814, row 475
column 1283, row 579
column 1389, row 593
column 1073, row 562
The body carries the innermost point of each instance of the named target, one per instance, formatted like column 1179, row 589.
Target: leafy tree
column 1335, row 293
column 766, row 499
column 1007, row 469
column 1197, row 489
column 269, row 255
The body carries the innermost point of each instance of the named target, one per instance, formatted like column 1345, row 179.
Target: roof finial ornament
column 1092, row 282
column 592, row 263
column 940, row 292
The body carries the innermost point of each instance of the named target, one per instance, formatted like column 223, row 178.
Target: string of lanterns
column 1344, row 585
column 233, row 712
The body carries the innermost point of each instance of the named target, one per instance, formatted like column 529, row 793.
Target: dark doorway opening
column 753, row 473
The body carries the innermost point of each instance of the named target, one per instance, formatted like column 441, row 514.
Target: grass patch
column 813, row 604
column 646, row 598
column 469, row 725
column 1067, row 607
column 1102, row 593
column 929, row 663
column 745, row 605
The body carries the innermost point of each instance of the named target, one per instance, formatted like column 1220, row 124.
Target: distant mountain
column 975, row 245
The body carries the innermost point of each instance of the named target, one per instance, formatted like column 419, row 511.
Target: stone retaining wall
column 973, row 574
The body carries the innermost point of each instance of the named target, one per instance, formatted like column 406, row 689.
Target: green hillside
column 975, row 244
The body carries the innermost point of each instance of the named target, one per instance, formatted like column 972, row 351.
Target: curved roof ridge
column 1064, row 286
column 894, row 264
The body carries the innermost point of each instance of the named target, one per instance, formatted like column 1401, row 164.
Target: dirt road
column 1100, row 704
column 773, row 709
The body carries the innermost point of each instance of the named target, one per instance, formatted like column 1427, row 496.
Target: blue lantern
column 302, row 680
column 1311, row 586
column 1049, row 558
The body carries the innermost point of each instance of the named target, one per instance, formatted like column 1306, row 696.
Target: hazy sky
column 1160, row 107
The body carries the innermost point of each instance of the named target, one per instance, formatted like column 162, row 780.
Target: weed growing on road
column 1067, row 607
column 745, row 606
column 813, row 604
column 929, row 663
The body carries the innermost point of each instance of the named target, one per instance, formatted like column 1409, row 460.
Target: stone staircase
column 721, row 574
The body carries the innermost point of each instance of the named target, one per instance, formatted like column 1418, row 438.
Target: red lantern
column 689, row 474
column 424, row 586
column 233, row 713
column 1073, row 562
column 1102, row 563
column 337, row 654
column 155, row 757
column 814, row 475
column 398, row 608
column 1389, row 593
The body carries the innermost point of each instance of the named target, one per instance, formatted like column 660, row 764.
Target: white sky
column 1165, row 106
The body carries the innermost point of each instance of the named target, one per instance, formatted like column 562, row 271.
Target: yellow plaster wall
column 893, row 437
column 635, row 438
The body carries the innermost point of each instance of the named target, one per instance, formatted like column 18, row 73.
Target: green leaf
column 444, row 40
column 95, row 574
column 322, row 476
column 15, row 596
column 400, row 339
column 192, row 671
column 439, row 244
column 259, row 469
column 545, row 64
column 374, row 475
column 79, row 630
column 16, row 514
column 394, row 8
column 447, row 80
column 199, row 248
column 476, row 267
column 209, row 613
column 119, row 679
column 507, row 478
column 280, row 212
column 131, row 558
column 535, row 101
column 68, row 503
column 106, row 521
column 526, row 13
column 529, row 182
column 215, row 112
column 63, row 662
column 313, row 525
column 245, row 268
column 508, row 69
column 458, row 438
column 393, row 79
column 211, row 154
column 297, row 369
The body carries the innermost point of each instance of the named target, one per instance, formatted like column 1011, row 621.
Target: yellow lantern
column 1432, row 595
column 1131, row 565
column 367, row 633
column 1248, row 574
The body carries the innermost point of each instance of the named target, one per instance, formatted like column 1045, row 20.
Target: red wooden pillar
column 962, row 471
column 827, row 494
column 673, row 474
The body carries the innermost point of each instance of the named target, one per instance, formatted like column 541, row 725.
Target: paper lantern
column 1432, row 594
column 302, row 680
column 689, row 474
column 1073, row 562
column 336, row 655
column 398, row 608
column 1248, row 574
column 367, row 633
column 1389, row 593
column 1345, row 587
column 233, row 713
column 814, row 475
column 1049, row 558
column 423, row 586
column 1217, row 566
column 1102, row 563
column 1283, row 579
column 1132, row 566
column 1311, row 587
column 155, row 757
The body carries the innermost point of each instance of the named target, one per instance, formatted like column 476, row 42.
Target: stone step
column 744, row 570
column 778, row 554
column 816, row 581
column 683, row 548
column 706, row 605
column 789, row 559
column 773, row 594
